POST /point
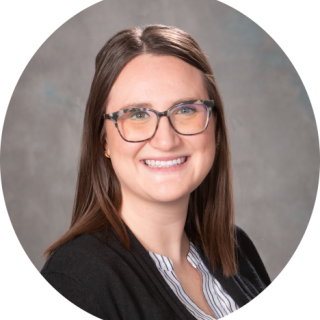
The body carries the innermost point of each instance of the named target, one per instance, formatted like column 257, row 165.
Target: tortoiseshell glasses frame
column 208, row 106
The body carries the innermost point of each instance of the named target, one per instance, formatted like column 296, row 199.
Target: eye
column 186, row 110
column 139, row 115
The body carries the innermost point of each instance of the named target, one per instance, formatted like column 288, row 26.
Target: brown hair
column 210, row 217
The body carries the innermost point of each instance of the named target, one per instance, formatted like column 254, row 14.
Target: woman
column 152, row 233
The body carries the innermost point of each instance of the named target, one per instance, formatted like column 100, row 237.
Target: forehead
column 156, row 80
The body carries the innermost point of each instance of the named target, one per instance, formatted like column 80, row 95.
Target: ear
column 106, row 148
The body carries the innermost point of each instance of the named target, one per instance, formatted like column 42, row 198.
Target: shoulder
column 70, row 254
column 86, row 263
column 248, row 257
column 76, row 256
column 243, row 241
column 83, row 271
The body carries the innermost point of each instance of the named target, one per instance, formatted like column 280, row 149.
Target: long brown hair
column 210, row 217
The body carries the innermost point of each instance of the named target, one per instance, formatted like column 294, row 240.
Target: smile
column 165, row 164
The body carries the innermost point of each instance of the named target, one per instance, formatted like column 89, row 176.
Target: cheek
column 205, row 144
column 114, row 142
column 123, row 162
column 207, row 140
column 123, row 154
column 208, row 155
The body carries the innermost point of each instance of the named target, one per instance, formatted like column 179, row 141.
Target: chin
column 167, row 194
column 166, row 198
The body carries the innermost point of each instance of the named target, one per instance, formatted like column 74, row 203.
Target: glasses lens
column 137, row 124
column 189, row 118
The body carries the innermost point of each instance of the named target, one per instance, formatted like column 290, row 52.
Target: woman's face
column 159, row 82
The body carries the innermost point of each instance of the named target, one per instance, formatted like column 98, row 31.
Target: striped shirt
column 218, row 300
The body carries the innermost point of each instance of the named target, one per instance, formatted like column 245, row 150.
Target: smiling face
column 159, row 82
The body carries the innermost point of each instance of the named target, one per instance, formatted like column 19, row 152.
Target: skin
column 155, row 202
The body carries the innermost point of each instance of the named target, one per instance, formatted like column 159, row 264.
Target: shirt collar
column 165, row 263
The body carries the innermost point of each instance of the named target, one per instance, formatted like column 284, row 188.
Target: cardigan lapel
column 143, row 258
column 233, row 285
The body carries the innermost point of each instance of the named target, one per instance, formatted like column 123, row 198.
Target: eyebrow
column 149, row 105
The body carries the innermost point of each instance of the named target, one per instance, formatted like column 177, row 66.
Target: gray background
column 274, row 140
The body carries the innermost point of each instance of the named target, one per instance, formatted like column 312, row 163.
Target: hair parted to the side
column 210, row 218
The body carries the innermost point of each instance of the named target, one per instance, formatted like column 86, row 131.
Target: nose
column 165, row 138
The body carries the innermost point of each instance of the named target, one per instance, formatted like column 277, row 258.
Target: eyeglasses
column 140, row 124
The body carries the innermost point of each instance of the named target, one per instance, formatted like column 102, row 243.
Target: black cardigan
column 106, row 280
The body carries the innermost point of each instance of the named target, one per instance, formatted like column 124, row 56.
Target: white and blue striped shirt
column 218, row 300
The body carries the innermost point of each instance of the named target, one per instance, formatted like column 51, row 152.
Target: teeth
column 164, row 164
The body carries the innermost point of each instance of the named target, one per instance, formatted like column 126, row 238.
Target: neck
column 159, row 226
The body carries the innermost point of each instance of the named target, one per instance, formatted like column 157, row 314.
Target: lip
column 165, row 158
column 166, row 170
